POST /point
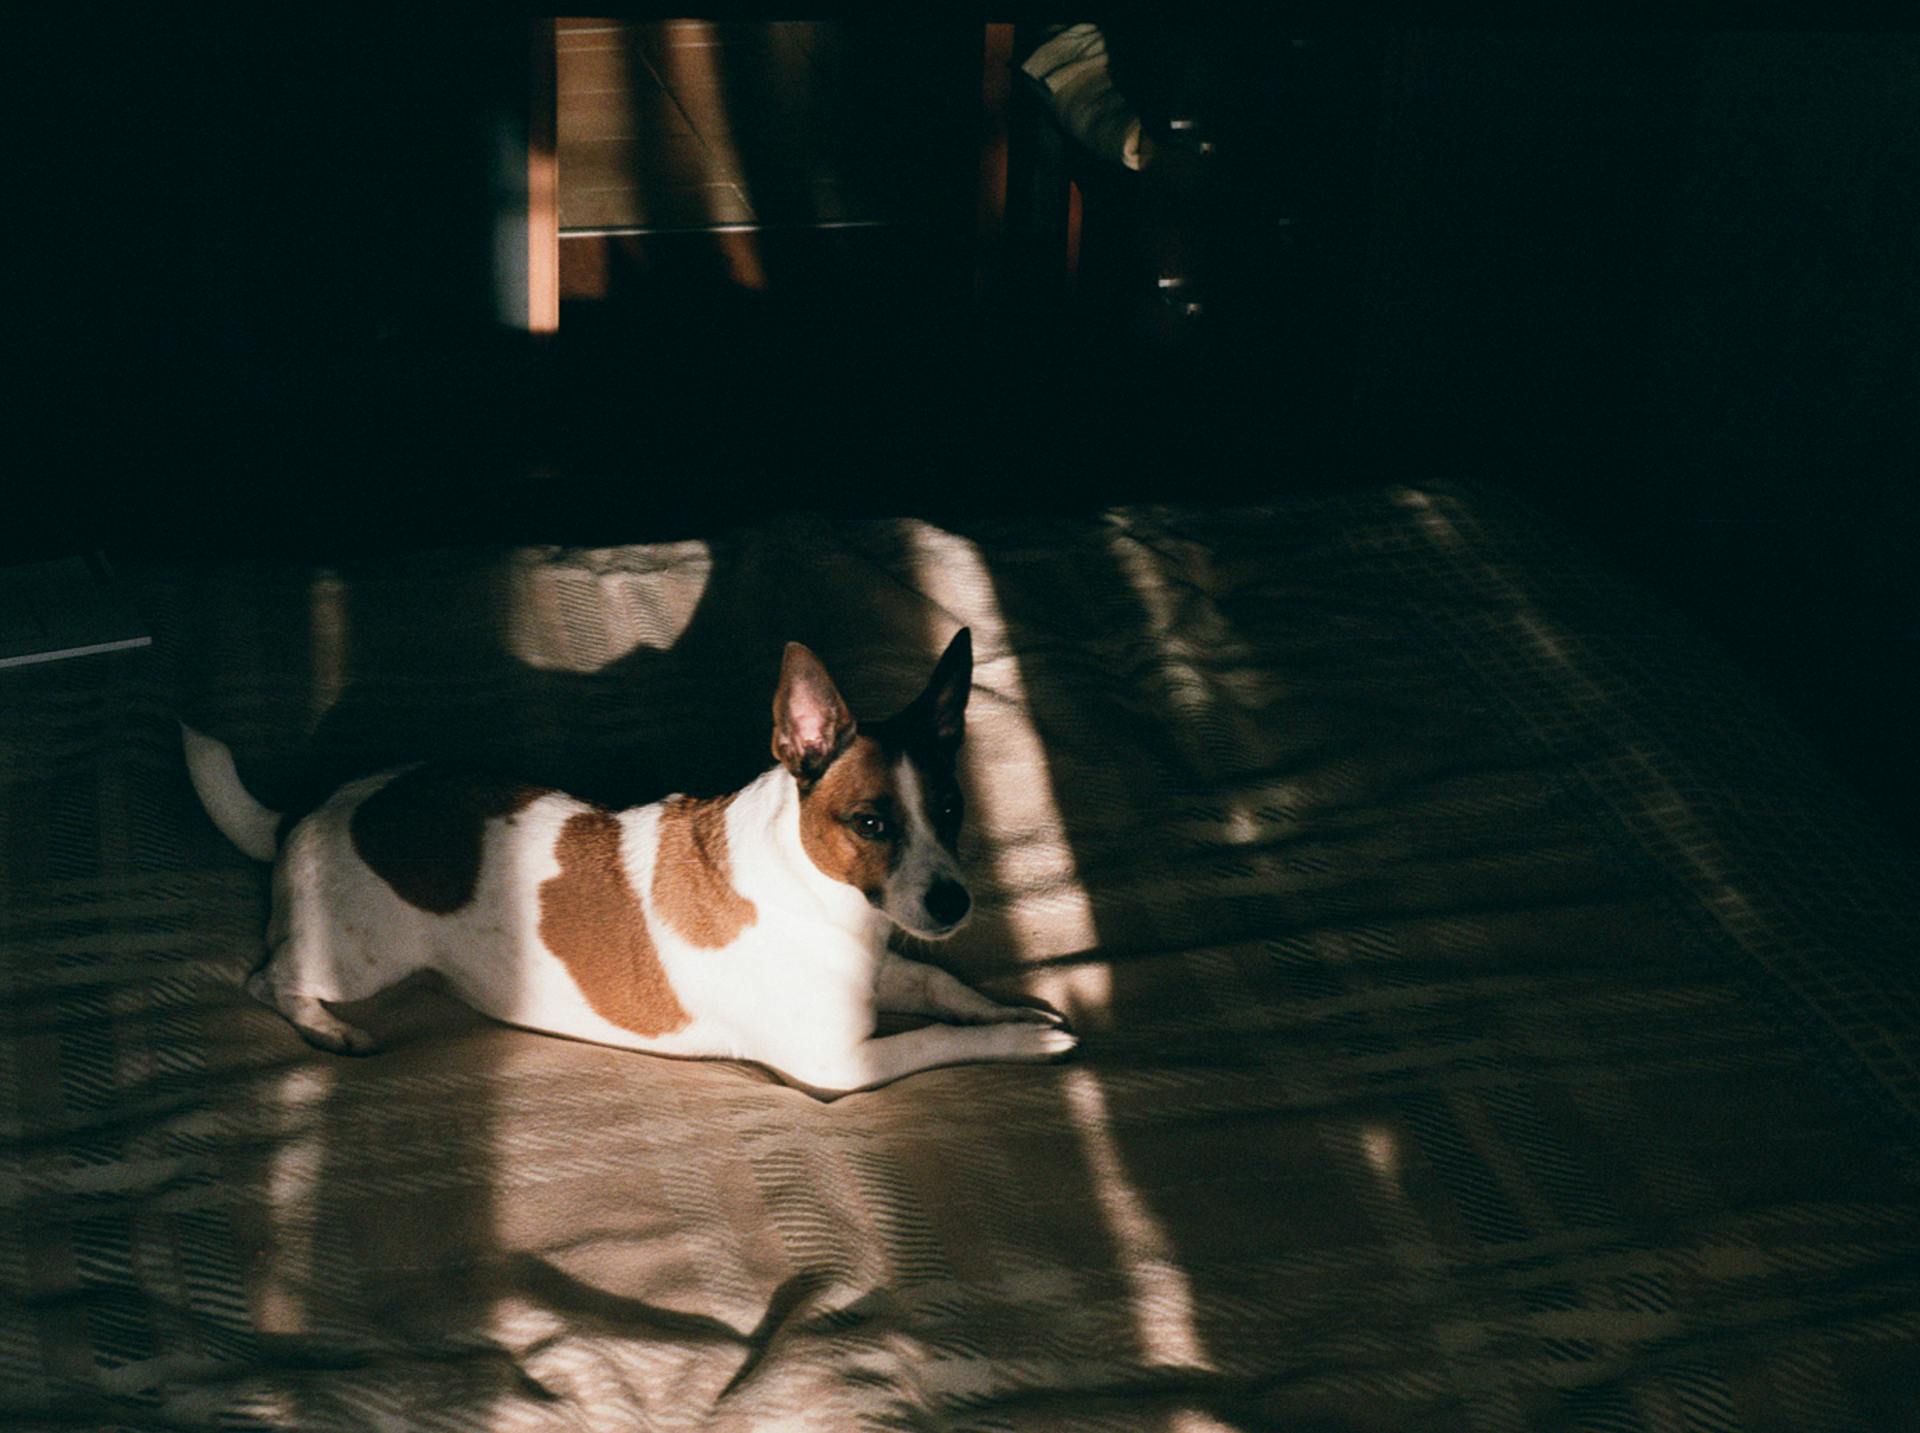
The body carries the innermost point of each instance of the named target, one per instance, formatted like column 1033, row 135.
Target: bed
column 1493, row 1016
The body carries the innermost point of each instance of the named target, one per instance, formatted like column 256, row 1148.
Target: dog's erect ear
column 942, row 707
column 811, row 723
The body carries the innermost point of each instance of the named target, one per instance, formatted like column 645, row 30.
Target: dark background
column 1660, row 280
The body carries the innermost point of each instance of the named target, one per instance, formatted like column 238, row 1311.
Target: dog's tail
column 241, row 819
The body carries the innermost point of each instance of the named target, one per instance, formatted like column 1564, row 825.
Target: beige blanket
column 1493, row 1019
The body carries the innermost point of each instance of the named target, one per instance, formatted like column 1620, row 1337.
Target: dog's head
column 880, row 805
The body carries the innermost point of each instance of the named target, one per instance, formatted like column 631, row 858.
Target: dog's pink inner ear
column 811, row 722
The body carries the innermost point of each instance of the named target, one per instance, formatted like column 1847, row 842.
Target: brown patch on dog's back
column 692, row 880
column 590, row 917
column 861, row 774
column 421, row 832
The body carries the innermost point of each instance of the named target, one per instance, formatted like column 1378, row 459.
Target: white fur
column 799, row 990
column 923, row 863
column 241, row 819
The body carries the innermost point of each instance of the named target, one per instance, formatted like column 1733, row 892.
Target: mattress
column 1493, row 1016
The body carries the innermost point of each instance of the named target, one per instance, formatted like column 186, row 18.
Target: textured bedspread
column 1492, row 1019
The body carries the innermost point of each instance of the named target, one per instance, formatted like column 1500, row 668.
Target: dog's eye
column 949, row 809
column 872, row 827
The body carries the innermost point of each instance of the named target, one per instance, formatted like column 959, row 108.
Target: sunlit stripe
column 1170, row 631
column 1015, row 791
column 1161, row 1293
column 1429, row 517
column 1048, row 912
column 292, row 1185
column 690, row 66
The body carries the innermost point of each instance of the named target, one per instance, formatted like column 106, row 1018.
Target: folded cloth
column 1070, row 68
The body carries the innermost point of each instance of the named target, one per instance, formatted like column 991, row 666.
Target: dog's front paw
column 342, row 1039
column 317, row 1025
column 1057, row 1042
column 1032, row 1015
column 1030, row 1040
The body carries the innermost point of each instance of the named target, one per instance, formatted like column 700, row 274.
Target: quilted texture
column 1493, row 1019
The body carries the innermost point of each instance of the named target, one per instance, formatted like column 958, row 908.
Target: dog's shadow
column 619, row 675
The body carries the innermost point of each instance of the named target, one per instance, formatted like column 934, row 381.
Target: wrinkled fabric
column 1493, row 1017
column 1069, row 69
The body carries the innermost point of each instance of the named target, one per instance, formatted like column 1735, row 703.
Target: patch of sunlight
column 1011, row 782
column 289, row 1268
column 740, row 248
column 1693, row 840
column 1432, row 521
column 1540, row 634
column 1544, row 640
column 583, row 610
column 1243, row 827
column 691, row 67
column 326, row 641
column 1381, row 1146
column 1162, row 1295
column 1012, row 787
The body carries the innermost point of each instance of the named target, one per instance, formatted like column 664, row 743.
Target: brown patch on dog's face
column 421, row 832
column 590, row 917
column 692, row 880
column 850, row 822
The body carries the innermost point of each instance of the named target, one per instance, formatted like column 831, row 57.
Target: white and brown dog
column 752, row 926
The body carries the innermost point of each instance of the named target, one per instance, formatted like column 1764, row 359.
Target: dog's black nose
column 948, row 901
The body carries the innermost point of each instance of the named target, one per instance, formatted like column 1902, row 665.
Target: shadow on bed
column 1427, row 1066
column 1474, row 1036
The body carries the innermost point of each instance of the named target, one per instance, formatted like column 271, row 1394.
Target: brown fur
column 590, row 917
column 811, row 723
column 692, row 881
column 421, row 832
column 860, row 777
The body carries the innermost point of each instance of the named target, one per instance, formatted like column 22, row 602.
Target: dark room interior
column 1437, row 507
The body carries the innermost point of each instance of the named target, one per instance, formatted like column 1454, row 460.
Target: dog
column 753, row 926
